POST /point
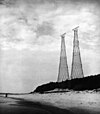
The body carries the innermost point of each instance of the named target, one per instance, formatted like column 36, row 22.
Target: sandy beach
column 20, row 106
column 62, row 103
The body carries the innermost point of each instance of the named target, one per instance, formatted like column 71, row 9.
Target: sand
column 21, row 106
column 55, row 103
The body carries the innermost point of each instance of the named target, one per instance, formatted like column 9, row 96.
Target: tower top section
column 76, row 28
column 63, row 35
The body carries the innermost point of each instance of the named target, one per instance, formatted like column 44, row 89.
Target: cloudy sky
column 30, row 40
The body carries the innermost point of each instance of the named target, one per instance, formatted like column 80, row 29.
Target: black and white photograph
column 49, row 56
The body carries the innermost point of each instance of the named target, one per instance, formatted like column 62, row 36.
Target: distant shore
column 21, row 106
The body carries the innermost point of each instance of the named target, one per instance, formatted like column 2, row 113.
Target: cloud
column 1, row 2
column 26, row 24
column 45, row 29
column 50, row 1
column 30, row 39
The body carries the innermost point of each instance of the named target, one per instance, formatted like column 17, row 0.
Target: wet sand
column 22, row 106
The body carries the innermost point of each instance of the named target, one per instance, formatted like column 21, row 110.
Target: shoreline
column 12, row 105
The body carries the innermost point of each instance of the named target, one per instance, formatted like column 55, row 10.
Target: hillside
column 79, row 84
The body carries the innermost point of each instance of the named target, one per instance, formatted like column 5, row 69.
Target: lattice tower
column 77, row 70
column 63, row 73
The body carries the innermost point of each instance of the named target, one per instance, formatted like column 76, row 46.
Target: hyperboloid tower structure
column 77, row 70
column 63, row 73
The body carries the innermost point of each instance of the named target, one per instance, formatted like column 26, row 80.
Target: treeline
column 80, row 84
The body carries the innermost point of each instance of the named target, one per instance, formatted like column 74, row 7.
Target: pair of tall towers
column 76, row 70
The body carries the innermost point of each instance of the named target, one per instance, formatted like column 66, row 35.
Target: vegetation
column 79, row 84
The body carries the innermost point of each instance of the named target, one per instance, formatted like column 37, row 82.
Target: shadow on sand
column 21, row 106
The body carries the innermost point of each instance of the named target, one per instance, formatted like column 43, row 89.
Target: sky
column 30, row 40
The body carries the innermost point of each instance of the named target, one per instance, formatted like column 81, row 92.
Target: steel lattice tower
column 77, row 70
column 63, row 73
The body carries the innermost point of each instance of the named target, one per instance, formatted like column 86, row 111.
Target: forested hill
column 80, row 84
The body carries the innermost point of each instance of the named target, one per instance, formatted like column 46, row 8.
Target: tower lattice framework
column 63, row 73
column 77, row 70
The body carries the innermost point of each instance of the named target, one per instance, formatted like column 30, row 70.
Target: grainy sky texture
column 30, row 40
